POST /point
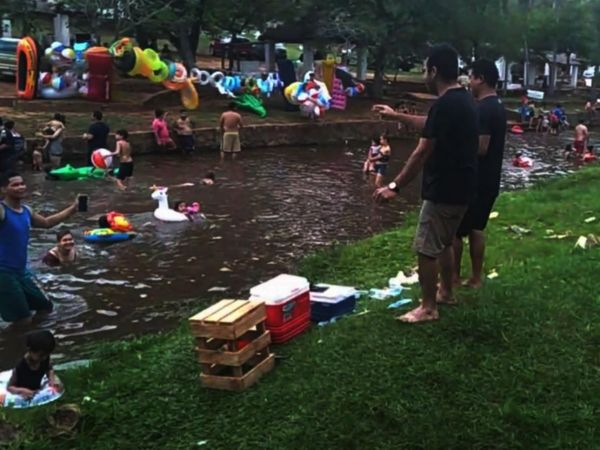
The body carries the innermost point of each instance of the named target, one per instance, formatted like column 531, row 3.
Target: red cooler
column 287, row 300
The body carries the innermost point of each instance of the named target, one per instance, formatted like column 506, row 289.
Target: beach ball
column 99, row 161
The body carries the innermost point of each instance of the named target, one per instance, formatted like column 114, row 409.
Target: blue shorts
column 380, row 169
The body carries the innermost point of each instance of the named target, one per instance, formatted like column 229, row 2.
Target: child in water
column 209, row 179
column 381, row 160
column 27, row 377
column 37, row 158
column 369, row 166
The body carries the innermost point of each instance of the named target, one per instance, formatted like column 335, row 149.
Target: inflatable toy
column 101, row 159
column 134, row 61
column 516, row 129
column 44, row 395
column 27, row 68
column 70, row 173
column 118, row 222
column 107, row 236
column 523, row 162
column 163, row 212
column 311, row 96
column 194, row 208
column 252, row 104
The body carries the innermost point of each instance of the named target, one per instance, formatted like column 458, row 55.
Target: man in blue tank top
column 19, row 295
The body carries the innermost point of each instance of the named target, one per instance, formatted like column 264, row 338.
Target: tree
column 21, row 10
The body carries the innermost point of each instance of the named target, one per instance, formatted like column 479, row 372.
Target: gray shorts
column 438, row 223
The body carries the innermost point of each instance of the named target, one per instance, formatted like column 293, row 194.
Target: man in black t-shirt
column 492, row 132
column 8, row 154
column 96, row 135
column 447, row 154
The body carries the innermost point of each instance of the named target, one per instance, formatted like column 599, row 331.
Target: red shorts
column 579, row 146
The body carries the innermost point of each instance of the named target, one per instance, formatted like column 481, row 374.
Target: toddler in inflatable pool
column 27, row 376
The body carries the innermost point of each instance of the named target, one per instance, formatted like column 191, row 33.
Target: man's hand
column 383, row 195
column 27, row 394
column 384, row 110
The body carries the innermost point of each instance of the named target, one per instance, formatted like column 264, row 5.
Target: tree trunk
column 552, row 87
column 185, row 49
column 380, row 55
column 505, row 84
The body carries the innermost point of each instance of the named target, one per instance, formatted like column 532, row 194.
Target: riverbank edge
column 258, row 136
column 515, row 366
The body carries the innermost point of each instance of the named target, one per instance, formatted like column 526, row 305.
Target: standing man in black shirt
column 8, row 154
column 492, row 132
column 96, row 135
column 447, row 154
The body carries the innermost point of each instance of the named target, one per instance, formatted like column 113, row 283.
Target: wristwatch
column 393, row 187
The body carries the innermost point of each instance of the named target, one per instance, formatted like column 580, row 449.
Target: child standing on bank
column 27, row 377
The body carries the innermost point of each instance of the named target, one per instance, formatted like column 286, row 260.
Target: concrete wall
column 257, row 136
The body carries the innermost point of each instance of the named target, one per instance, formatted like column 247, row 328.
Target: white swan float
column 163, row 212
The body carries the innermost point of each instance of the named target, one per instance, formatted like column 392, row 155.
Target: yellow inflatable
column 134, row 61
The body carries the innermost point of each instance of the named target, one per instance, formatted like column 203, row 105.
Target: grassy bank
column 514, row 366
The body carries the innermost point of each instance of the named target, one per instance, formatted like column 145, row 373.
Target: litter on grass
column 494, row 214
column 399, row 303
column 493, row 274
column 519, row 230
column 590, row 220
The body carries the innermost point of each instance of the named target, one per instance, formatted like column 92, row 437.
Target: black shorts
column 380, row 169
column 187, row 142
column 477, row 215
column 125, row 170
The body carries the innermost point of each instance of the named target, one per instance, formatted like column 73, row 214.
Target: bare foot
column 419, row 315
column 473, row 283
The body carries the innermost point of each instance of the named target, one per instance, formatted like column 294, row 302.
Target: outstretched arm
column 412, row 120
column 39, row 221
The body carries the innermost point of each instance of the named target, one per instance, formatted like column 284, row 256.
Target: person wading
column 19, row 294
column 447, row 154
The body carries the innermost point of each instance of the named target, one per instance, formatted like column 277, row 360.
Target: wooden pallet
column 232, row 344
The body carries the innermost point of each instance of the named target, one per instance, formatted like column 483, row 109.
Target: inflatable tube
column 27, row 68
column 523, row 162
column 44, row 395
column 107, row 236
column 516, row 129
column 70, row 173
column 202, row 76
column 216, row 78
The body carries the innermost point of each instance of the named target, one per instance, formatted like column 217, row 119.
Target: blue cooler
column 328, row 301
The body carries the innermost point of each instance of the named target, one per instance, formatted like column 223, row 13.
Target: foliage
column 515, row 366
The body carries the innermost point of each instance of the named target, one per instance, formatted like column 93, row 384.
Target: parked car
column 8, row 57
column 243, row 48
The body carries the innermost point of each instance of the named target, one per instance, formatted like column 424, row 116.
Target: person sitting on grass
column 27, row 377
column 161, row 130
column 64, row 253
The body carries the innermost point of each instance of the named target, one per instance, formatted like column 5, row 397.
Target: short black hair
column 568, row 148
column 123, row 133
column 590, row 148
column 41, row 341
column 62, row 233
column 158, row 113
column 445, row 59
column 176, row 204
column 487, row 71
column 232, row 105
column 9, row 124
column 5, row 180
column 581, row 121
column 376, row 137
column 97, row 115
column 61, row 118
column 210, row 176
column 558, row 105
column 103, row 222
column 183, row 111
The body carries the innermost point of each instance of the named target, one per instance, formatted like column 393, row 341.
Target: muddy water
column 267, row 210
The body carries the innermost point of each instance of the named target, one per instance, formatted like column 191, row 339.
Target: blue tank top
column 14, row 238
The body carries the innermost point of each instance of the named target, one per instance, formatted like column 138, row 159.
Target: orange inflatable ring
column 27, row 68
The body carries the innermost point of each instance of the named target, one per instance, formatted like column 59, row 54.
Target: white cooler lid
column 280, row 289
column 333, row 294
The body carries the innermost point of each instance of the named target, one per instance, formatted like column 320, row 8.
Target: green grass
column 515, row 366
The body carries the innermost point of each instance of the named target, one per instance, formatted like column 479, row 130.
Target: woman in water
column 64, row 252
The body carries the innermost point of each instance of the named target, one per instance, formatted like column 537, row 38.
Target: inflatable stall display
column 133, row 61
column 44, row 395
column 311, row 96
column 69, row 74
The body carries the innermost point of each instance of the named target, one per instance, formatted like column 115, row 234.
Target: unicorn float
column 166, row 214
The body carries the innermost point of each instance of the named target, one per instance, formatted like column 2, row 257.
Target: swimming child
column 27, row 377
column 368, row 166
column 37, row 158
column 209, row 179
column 381, row 160
column 568, row 152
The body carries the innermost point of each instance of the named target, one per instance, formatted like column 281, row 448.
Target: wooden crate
column 232, row 344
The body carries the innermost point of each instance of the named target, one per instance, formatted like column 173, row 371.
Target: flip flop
column 411, row 317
